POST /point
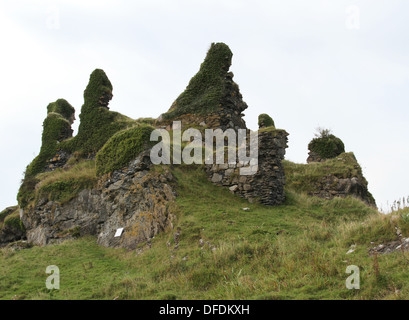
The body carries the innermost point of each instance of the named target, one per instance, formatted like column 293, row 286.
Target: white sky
column 306, row 63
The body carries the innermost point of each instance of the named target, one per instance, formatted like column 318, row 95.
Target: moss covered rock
column 98, row 123
column 63, row 108
column 56, row 128
column 207, row 88
column 264, row 121
column 123, row 147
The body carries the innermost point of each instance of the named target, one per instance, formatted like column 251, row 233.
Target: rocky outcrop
column 324, row 146
column 228, row 116
column 346, row 180
column 212, row 99
column 337, row 177
column 137, row 199
column 140, row 202
column 330, row 186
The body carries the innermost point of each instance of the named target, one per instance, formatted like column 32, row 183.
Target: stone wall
column 267, row 184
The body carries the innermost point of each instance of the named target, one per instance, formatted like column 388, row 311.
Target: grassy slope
column 294, row 251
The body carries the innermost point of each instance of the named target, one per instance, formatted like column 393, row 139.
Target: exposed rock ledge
column 137, row 199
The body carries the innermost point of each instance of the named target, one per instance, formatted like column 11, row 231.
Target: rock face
column 137, row 199
column 330, row 186
column 10, row 234
column 229, row 115
column 140, row 202
column 266, row 185
column 338, row 177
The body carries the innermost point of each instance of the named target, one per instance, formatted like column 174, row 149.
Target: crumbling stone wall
column 267, row 184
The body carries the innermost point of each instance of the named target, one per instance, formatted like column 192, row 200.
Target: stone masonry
column 267, row 184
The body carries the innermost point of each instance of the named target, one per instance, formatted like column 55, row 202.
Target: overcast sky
column 342, row 65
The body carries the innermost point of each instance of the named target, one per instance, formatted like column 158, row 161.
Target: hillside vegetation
column 297, row 250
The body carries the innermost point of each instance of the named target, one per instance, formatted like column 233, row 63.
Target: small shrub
column 326, row 145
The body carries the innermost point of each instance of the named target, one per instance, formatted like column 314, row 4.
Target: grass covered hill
column 297, row 250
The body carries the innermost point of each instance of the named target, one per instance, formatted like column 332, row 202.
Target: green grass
column 303, row 177
column 293, row 251
column 63, row 185
column 123, row 147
